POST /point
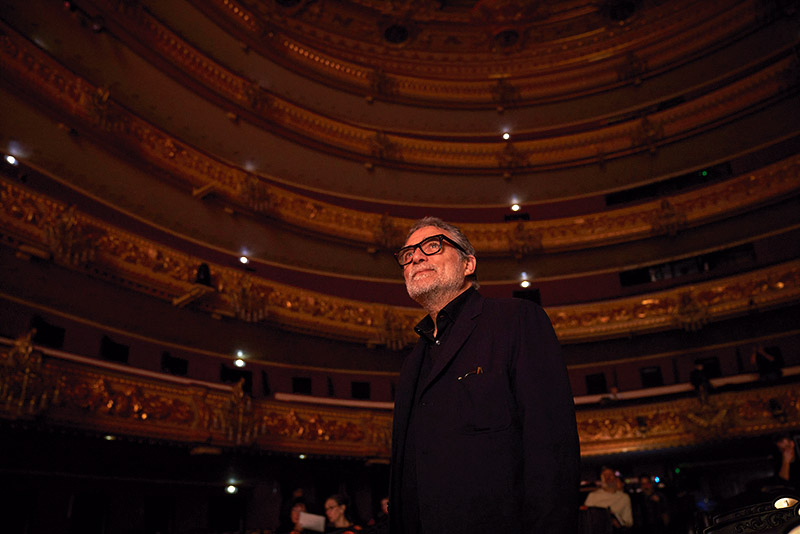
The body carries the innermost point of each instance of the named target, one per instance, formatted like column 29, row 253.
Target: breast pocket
column 483, row 402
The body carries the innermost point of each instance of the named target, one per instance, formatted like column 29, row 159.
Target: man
column 612, row 496
column 653, row 509
column 484, row 436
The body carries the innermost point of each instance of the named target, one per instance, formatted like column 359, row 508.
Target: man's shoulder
column 510, row 305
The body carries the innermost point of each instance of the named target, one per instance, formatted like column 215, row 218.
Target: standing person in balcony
column 484, row 436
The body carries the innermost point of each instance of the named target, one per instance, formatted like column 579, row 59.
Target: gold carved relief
column 243, row 188
column 441, row 153
column 95, row 399
column 27, row 386
column 166, row 273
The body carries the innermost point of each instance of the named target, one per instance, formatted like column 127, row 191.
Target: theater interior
column 200, row 312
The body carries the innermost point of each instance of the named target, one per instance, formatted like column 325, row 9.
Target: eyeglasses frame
column 442, row 239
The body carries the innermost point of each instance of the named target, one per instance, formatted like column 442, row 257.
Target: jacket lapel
column 461, row 330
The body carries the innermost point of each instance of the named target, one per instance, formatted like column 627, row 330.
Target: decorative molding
column 68, row 394
column 433, row 153
column 166, row 273
column 94, row 106
column 558, row 54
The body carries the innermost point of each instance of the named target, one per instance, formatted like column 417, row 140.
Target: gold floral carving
column 556, row 150
column 168, row 274
column 96, row 399
column 664, row 37
column 68, row 241
column 687, row 421
column 27, row 386
column 243, row 188
column 668, row 219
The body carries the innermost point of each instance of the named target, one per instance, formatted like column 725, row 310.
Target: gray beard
column 436, row 296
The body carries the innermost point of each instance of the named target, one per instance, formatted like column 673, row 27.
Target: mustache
column 419, row 269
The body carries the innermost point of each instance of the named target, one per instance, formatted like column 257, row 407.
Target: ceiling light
column 238, row 362
column 506, row 136
column 514, row 207
column 231, row 489
column 243, row 260
column 11, row 160
column 525, row 283
column 302, row 456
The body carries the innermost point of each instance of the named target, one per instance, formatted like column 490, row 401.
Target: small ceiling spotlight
column 514, row 207
column 506, row 136
column 238, row 362
column 525, row 284
column 244, row 260
column 109, row 437
column 302, row 456
column 231, row 489
column 11, row 160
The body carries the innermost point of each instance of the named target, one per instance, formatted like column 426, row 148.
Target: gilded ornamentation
column 511, row 158
column 536, row 63
column 691, row 315
column 85, row 396
column 63, row 88
column 633, row 69
column 668, row 219
column 27, row 387
column 239, row 418
column 68, row 240
column 504, row 94
column 523, row 240
column 105, row 397
column 383, row 148
column 247, row 298
column 169, row 274
column 380, row 83
column 394, row 330
column 648, row 133
column 387, row 235
column 95, row 106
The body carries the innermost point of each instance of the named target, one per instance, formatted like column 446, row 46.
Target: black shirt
column 433, row 346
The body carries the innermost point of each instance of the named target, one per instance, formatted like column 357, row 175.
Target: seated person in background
column 652, row 508
column 610, row 495
column 298, row 505
column 339, row 521
column 380, row 523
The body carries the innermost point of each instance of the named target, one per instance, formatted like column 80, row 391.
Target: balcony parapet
column 433, row 153
column 94, row 108
column 59, row 390
column 36, row 225
column 574, row 55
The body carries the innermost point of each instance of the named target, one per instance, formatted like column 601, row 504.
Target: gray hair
column 456, row 234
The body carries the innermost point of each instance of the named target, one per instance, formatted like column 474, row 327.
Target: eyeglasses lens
column 428, row 246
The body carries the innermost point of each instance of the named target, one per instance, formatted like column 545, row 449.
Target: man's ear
column 470, row 263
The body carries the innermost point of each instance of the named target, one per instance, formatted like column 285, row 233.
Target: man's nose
column 418, row 256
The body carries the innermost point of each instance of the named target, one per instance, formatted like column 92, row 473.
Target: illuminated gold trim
column 102, row 250
column 199, row 171
column 62, row 393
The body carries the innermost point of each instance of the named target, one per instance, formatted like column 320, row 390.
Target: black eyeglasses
column 429, row 246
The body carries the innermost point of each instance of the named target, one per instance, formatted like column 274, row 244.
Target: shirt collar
column 446, row 316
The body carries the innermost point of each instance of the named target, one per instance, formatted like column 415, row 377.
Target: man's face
column 437, row 275
column 608, row 479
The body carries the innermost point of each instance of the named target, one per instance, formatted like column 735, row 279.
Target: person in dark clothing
column 651, row 508
column 484, row 434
